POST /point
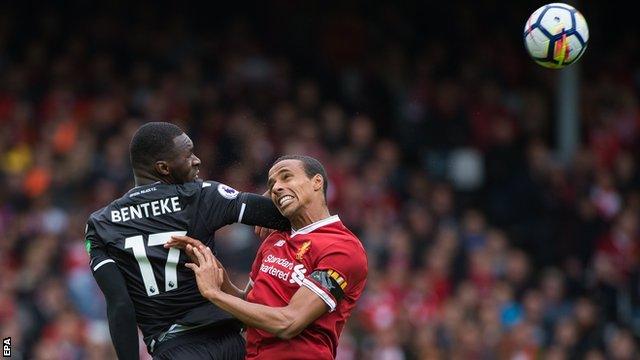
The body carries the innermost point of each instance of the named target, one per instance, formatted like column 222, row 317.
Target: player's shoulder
column 185, row 191
column 338, row 231
column 100, row 214
column 347, row 244
column 198, row 185
column 97, row 222
column 350, row 243
column 336, row 235
column 213, row 188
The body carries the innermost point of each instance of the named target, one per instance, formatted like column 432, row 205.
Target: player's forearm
column 262, row 212
column 271, row 319
column 124, row 335
column 230, row 288
column 120, row 311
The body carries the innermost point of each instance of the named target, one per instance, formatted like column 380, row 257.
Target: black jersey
column 132, row 230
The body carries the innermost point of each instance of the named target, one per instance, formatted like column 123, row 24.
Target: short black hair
column 153, row 141
column 311, row 167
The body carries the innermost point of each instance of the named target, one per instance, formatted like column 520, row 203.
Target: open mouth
column 285, row 200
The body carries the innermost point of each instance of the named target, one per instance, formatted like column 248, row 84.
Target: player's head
column 162, row 151
column 297, row 182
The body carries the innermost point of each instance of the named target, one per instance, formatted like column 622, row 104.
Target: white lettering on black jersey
column 146, row 209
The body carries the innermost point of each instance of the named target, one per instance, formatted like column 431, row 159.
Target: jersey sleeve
column 120, row 311
column 96, row 249
column 223, row 205
column 341, row 271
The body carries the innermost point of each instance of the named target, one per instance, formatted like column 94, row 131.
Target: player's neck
column 308, row 217
column 144, row 179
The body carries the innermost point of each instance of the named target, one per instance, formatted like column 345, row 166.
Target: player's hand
column 209, row 273
column 187, row 244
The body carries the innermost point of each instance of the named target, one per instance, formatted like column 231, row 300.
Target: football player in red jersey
column 304, row 283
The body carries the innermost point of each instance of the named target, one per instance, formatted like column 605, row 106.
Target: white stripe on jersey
column 318, row 224
column 323, row 295
column 102, row 263
column 241, row 212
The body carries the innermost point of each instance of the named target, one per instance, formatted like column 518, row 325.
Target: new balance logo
column 279, row 243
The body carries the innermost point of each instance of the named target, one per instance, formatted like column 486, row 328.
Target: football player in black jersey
column 147, row 285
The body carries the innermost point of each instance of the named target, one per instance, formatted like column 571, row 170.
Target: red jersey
column 285, row 262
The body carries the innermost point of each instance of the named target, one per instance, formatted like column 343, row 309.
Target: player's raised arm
column 262, row 212
column 224, row 205
column 120, row 310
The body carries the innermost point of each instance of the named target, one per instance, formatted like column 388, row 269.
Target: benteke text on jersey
column 145, row 210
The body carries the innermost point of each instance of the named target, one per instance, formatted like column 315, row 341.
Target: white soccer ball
column 556, row 35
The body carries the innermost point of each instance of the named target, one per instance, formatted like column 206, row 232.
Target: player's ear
column 162, row 167
column 318, row 182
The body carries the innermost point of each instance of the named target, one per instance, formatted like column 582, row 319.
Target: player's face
column 185, row 165
column 290, row 188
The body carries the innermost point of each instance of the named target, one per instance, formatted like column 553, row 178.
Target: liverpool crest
column 303, row 250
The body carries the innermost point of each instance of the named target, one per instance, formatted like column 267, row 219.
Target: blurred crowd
column 482, row 244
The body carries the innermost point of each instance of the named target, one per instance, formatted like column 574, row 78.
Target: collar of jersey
column 318, row 224
column 140, row 186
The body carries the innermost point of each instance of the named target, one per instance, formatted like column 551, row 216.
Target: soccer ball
column 556, row 35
